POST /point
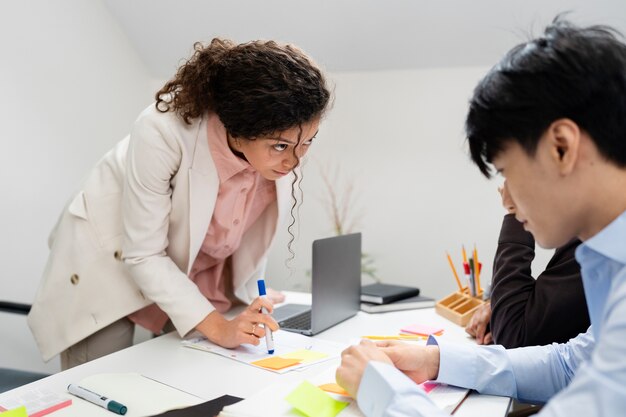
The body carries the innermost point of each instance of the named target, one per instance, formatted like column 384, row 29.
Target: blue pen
column 269, row 337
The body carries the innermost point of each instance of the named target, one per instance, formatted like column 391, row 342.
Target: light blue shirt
column 580, row 378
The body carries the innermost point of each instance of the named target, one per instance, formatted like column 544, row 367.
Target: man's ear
column 564, row 139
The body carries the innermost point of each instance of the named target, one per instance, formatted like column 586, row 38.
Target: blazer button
column 117, row 255
column 74, row 279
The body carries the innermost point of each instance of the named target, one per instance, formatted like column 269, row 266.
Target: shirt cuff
column 456, row 362
column 385, row 391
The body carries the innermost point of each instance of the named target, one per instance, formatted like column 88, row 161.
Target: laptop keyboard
column 301, row 321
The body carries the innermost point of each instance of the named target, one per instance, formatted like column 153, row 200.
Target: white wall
column 398, row 138
column 72, row 85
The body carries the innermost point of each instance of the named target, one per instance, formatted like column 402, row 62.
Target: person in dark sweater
column 524, row 311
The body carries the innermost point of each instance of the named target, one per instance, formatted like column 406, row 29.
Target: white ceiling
column 353, row 35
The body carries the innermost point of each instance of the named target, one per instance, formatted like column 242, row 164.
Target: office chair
column 13, row 378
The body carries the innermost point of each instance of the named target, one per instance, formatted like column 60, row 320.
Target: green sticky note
column 16, row 412
column 313, row 402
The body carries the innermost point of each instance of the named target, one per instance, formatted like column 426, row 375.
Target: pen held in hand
column 269, row 337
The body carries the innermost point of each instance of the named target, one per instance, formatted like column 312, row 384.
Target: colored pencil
column 395, row 337
column 456, row 276
column 477, row 270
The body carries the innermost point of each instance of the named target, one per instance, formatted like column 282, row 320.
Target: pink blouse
column 242, row 196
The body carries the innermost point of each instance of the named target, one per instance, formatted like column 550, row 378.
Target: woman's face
column 276, row 155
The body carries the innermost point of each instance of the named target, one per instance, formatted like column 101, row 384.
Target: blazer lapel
column 203, row 188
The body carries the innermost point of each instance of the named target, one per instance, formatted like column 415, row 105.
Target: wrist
column 212, row 326
column 432, row 362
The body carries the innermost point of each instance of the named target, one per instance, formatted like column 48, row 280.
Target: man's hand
column 420, row 363
column 477, row 326
column 507, row 201
column 353, row 362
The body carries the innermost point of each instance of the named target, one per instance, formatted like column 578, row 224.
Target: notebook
column 410, row 303
column 38, row 401
column 380, row 293
column 336, row 287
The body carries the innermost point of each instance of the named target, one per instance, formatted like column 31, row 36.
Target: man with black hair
column 551, row 118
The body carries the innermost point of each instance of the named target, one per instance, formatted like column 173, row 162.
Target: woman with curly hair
column 173, row 225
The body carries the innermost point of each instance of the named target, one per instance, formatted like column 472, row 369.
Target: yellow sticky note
column 276, row 363
column 305, row 355
column 335, row 389
column 313, row 402
column 16, row 412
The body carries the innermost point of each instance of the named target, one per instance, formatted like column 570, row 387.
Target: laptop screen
column 336, row 287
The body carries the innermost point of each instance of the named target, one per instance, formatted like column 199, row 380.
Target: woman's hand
column 247, row 327
column 276, row 297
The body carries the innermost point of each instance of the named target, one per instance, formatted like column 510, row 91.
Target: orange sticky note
column 334, row 388
column 276, row 363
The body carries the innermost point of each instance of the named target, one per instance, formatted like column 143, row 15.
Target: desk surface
column 208, row 376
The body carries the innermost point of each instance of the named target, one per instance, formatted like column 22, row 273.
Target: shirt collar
column 226, row 162
column 609, row 241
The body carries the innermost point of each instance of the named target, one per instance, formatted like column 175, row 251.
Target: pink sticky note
column 428, row 386
column 422, row 329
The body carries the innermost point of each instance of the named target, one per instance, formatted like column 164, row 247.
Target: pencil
column 472, row 277
column 477, row 270
column 464, row 255
column 396, row 337
column 456, row 276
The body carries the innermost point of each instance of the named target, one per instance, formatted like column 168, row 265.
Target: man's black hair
column 569, row 72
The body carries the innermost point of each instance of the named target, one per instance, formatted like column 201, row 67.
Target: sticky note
column 313, row 402
column 428, row 386
column 276, row 363
column 422, row 329
column 335, row 389
column 17, row 412
column 305, row 355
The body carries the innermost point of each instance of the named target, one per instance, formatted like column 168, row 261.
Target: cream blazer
column 130, row 236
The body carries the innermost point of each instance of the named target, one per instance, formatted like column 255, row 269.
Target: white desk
column 209, row 376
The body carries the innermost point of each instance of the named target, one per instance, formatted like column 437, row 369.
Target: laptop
column 336, row 287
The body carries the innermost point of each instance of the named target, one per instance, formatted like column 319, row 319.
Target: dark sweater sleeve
column 525, row 311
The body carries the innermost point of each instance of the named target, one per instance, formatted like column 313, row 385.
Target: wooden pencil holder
column 459, row 307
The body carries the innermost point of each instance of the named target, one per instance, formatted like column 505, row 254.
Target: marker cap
column 116, row 407
column 261, row 284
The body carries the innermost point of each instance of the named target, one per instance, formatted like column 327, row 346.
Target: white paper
column 274, row 404
column 284, row 343
column 143, row 396
column 271, row 401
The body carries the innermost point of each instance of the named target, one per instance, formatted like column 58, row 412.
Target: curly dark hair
column 255, row 88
